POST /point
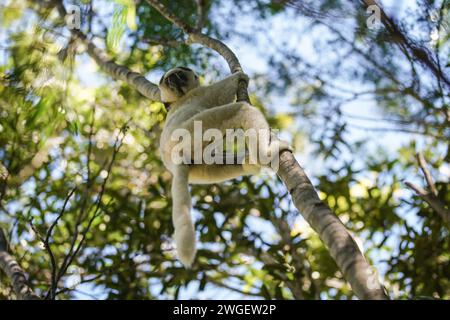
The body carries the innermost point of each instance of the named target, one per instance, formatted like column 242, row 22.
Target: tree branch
column 14, row 272
column 118, row 72
column 200, row 38
column 333, row 233
column 200, row 14
column 75, row 249
column 432, row 200
column 423, row 166
column 430, row 196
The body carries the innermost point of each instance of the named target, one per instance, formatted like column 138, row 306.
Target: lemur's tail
column 184, row 235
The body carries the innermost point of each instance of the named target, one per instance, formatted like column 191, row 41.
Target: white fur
column 213, row 105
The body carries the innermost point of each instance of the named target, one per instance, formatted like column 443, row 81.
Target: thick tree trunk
column 350, row 260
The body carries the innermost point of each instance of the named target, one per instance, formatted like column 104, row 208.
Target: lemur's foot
column 284, row 146
column 276, row 147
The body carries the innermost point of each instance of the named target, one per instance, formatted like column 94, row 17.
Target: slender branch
column 74, row 286
column 54, row 283
column 200, row 38
column 14, row 272
column 423, row 166
column 380, row 67
column 89, row 152
column 163, row 42
column 420, row 53
column 221, row 284
column 386, row 129
column 432, row 200
column 74, row 250
column 333, row 233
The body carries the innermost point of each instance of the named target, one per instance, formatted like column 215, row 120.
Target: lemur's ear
column 185, row 68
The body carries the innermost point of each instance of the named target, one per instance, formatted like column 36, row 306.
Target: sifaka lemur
column 214, row 106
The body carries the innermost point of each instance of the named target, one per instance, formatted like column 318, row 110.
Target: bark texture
column 14, row 272
column 116, row 71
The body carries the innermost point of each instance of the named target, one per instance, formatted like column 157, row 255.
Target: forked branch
column 116, row 71
column 14, row 272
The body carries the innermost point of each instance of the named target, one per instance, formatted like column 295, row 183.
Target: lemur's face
column 176, row 82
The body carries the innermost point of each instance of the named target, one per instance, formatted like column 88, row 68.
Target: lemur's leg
column 216, row 173
column 242, row 115
column 184, row 235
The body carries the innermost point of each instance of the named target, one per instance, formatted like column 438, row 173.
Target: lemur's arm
column 224, row 91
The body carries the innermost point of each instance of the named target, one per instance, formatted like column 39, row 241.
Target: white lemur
column 215, row 107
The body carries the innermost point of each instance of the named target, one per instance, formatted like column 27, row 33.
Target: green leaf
column 131, row 17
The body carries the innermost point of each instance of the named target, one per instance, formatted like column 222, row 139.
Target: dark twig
column 419, row 52
column 195, row 36
column 74, row 250
column 52, row 292
column 423, row 166
column 91, row 133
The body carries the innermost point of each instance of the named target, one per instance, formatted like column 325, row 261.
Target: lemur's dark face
column 176, row 82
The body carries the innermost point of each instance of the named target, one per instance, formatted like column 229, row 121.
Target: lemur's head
column 176, row 82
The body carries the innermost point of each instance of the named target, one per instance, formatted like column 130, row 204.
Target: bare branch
column 14, row 272
column 200, row 14
column 423, row 166
column 74, row 249
column 393, row 129
column 430, row 196
column 163, row 42
column 432, row 200
column 221, row 284
column 54, row 284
